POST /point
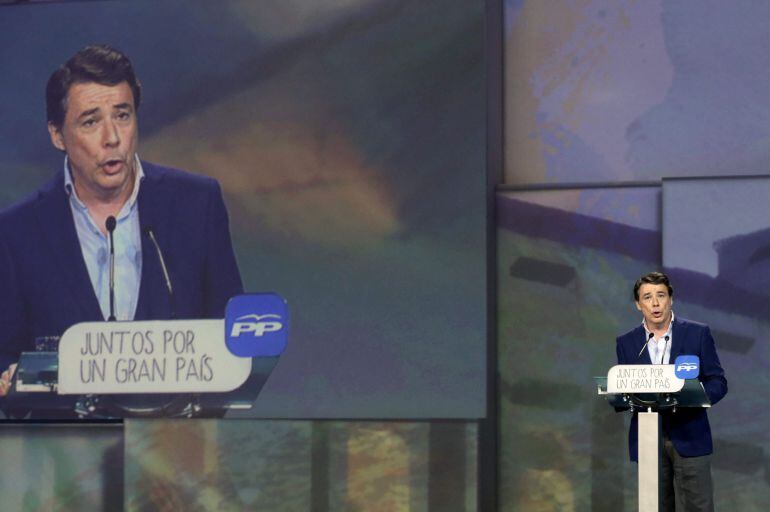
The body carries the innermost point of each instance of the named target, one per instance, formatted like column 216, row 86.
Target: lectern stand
column 649, row 407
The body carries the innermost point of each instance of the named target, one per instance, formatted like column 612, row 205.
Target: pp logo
column 256, row 324
column 687, row 367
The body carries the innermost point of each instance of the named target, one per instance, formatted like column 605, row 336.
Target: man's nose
column 111, row 134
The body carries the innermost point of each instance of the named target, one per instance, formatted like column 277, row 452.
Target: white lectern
column 649, row 391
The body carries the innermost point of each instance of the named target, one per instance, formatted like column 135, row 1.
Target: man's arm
column 222, row 278
column 711, row 373
column 621, row 360
column 12, row 317
column 619, row 351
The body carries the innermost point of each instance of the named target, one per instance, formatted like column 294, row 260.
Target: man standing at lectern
column 173, row 257
column 687, row 445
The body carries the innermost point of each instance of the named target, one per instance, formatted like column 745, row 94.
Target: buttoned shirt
column 660, row 348
column 95, row 246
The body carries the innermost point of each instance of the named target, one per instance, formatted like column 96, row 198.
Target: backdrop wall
column 604, row 102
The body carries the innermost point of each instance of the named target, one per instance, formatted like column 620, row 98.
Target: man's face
column 655, row 304
column 99, row 135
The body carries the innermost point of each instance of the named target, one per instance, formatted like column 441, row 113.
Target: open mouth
column 113, row 165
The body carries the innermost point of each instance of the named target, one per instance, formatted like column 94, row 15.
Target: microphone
column 645, row 345
column 663, row 354
column 148, row 231
column 110, row 224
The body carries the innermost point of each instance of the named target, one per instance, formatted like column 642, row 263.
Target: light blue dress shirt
column 96, row 249
column 660, row 349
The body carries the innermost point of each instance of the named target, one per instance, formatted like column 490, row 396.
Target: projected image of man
column 110, row 236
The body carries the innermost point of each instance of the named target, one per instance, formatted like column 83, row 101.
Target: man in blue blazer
column 662, row 337
column 173, row 256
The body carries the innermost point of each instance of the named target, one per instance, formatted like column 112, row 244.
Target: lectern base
column 650, row 451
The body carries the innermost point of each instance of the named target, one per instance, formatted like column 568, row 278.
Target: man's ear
column 56, row 136
column 637, row 305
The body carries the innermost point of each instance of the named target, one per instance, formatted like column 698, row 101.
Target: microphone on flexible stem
column 148, row 231
column 110, row 224
column 645, row 345
column 664, row 349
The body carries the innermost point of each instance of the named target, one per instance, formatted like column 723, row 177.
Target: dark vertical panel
column 112, row 469
column 488, row 427
column 319, row 467
column 446, row 467
column 607, row 435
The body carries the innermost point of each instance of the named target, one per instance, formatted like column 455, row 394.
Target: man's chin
column 112, row 185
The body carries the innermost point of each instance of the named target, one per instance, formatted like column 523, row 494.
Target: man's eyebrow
column 88, row 112
column 124, row 105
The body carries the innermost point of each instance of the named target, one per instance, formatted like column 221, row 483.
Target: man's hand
column 5, row 379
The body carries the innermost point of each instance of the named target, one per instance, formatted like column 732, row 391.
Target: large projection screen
column 349, row 140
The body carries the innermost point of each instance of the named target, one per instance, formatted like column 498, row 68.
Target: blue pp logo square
column 256, row 324
column 687, row 367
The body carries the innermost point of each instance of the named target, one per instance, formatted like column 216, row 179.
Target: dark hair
column 95, row 63
column 652, row 278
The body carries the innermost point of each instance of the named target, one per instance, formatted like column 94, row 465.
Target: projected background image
column 567, row 261
column 605, row 90
column 722, row 273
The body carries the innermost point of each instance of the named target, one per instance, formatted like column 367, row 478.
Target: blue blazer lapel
column 153, row 301
column 677, row 341
column 56, row 222
column 640, row 338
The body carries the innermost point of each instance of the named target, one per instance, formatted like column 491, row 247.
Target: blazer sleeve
column 221, row 279
column 13, row 332
column 619, row 350
column 711, row 373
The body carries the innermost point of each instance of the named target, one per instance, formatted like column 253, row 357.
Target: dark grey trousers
column 685, row 481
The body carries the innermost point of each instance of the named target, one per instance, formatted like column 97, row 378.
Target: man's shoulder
column 689, row 325
column 19, row 209
column 25, row 209
column 632, row 334
column 170, row 176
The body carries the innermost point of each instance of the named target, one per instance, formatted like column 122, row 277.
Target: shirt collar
column 668, row 331
column 69, row 186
